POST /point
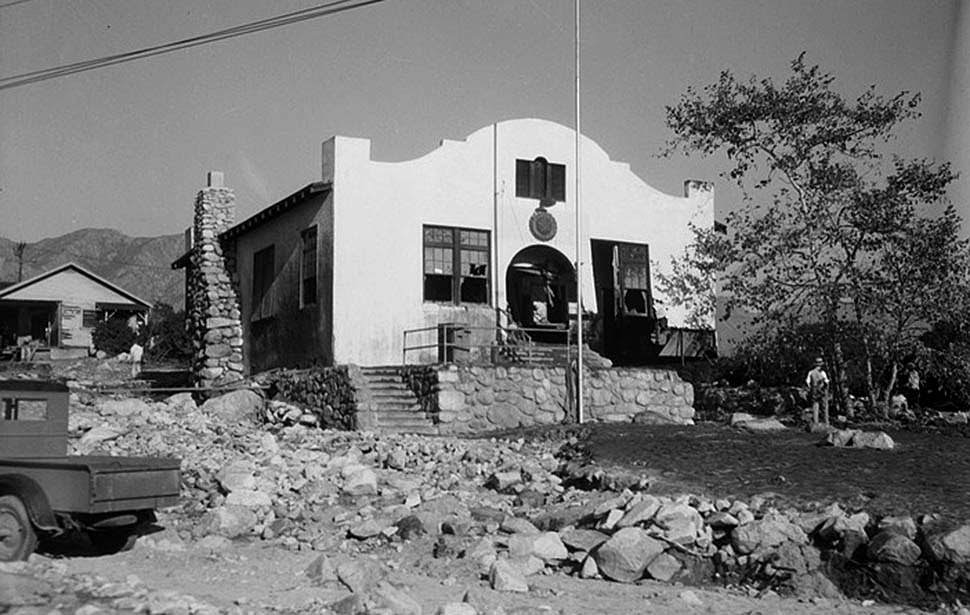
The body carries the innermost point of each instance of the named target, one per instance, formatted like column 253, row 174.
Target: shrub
column 113, row 336
column 166, row 330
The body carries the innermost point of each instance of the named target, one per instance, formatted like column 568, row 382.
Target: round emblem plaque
column 542, row 225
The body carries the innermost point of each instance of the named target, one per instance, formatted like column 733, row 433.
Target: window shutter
column 522, row 169
column 557, row 181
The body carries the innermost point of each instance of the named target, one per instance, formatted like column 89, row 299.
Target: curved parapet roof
column 591, row 150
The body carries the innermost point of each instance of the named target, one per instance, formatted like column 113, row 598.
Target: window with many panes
column 308, row 267
column 455, row 265
column 634, row 274
column 540, row 179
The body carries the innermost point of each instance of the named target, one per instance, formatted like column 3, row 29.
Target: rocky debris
column 749, row 422
column 856, row 438
column 347, row 496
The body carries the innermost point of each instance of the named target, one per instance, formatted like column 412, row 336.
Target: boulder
column 549, row 547
column 583, row 539
column 879, row 440
column 663, row 567
column 890, row 546
column 506, row 577
column 763, row 425
column 951, row 546
column 359, row 575
column 626, row 554
column 839, row 437
column 681, row 522
column 391, row 599
column 102, row 433
column 242, row 406
column 250, row 498
column 237, row 476
column 361, row 481
column 642, row 511
column 124, row 407
column 229, row 521
column 518, row 525
column 765, row 534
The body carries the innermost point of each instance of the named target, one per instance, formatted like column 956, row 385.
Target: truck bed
column 100, row 483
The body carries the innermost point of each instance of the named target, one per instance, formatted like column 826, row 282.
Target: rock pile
column 497, row 509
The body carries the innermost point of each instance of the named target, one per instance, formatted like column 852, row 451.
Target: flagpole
column 579, row 245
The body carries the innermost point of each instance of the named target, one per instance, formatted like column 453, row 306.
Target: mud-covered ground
column 927, row 472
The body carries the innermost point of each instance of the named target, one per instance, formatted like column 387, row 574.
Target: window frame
column 621, row 266
column 260, row 286
column 308, row 292
column 534, row 179
column 457, row 275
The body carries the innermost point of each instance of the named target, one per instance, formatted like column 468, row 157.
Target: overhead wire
column 322, row 10
column 13, row 3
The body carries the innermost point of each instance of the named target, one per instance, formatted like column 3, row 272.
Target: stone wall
column 213, row 304
column 332, row 394
column 484, row 398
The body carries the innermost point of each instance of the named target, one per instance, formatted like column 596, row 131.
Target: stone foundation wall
column 213, row 304
column 483, row 398
column 330, row 393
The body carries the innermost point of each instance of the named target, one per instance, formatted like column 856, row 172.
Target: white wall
column 380, row 208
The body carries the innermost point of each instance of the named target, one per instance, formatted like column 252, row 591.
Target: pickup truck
column 46, row 493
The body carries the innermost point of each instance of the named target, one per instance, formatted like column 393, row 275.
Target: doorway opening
column 540, row 283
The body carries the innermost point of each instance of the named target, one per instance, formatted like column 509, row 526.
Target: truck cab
column 44, row 492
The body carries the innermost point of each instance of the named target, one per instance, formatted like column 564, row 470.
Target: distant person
column 136, row 353
column 817, row 382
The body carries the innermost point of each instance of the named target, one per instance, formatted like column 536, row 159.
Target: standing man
column 817, row 382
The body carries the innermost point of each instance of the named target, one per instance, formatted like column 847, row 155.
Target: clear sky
column 127, row 146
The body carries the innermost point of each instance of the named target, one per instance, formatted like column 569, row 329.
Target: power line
column 329, row 8
column 13, row 3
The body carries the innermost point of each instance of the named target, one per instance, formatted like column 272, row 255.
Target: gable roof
column 9, row 290
column 263, row 215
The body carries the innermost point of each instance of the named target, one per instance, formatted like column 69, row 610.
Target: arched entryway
column 539, row 284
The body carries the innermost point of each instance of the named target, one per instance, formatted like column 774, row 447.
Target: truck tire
column 17, row 537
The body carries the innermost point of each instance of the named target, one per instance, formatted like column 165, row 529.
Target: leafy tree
column 829, row 230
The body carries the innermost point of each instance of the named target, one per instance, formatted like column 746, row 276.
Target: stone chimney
column 213, row 303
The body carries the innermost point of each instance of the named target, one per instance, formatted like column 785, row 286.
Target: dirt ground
column 926, row 473
column 259, row 578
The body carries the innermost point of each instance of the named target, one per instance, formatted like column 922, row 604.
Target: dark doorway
column 621, row 276
column 539, row 284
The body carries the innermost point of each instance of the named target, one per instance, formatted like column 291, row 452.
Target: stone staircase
column 397, row 408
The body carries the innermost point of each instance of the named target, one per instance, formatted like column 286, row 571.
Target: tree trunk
column 841, row 390
column 871, row 391
column 887, row 393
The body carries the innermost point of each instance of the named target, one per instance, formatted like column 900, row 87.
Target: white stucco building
column 339, row 270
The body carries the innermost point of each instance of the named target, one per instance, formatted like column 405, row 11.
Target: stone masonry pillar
column 214, row 316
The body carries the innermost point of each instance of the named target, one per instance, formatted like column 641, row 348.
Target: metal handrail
column 518, row 336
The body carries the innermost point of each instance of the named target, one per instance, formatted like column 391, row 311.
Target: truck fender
column 34, row 499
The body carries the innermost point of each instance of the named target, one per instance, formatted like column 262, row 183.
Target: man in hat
column 817, row 382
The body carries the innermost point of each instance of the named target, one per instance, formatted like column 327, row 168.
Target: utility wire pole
column 19, row 253
column 579, row 247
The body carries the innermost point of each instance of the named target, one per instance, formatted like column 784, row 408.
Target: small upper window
column 540, row 179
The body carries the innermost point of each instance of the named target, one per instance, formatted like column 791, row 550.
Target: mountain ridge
column 140, row 265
